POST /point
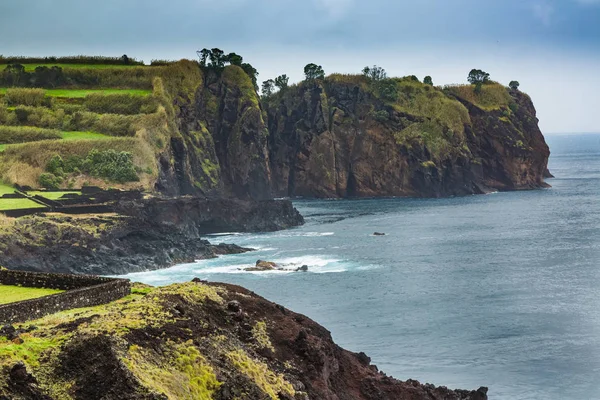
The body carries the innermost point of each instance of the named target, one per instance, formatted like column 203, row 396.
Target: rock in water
column 378, row 234
column 262, row 265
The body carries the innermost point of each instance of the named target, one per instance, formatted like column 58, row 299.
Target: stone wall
column 81, row 291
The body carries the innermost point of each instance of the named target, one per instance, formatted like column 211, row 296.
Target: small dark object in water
column 378, row 234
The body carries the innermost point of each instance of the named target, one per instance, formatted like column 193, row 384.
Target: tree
column 217, row 59
column 203, row 55
column 514, row 85
column 268, row 87
column 428, row 80
column 234, row 59
column 313, row 72
column 282, row 82
column 477, row 76
column 374, row 74
column 252, row 73
column 125, row 59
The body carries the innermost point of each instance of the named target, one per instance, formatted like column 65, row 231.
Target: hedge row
column 23, row 134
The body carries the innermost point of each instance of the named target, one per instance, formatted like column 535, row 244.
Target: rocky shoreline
column 144, row 235
column 158, row 343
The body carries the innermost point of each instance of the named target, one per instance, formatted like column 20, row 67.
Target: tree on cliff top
column 218, row 61
column 374, row 73
column 477, row 76
column 282, row 82
column 267, row 87
column 514, row 85
column 313, row 72
column 428, row 80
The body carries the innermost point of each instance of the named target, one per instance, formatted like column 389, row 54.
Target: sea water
column 499, row 290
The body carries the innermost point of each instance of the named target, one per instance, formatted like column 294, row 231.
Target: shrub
column 127, row 104
column 109, row 124
column 50, row 181
column 40, row 117
column 26, row 97
column 19, row 134
column 95, row 60
column 115, row 166
column 129, row 78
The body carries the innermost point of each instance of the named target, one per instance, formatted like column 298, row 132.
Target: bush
column 109, row 164
column 109, row 124
column 19, row 134
column 50, row 181
column 95, row 60
column 40, row 117
column 26, row 97
column 127, row 104
column 128, row 78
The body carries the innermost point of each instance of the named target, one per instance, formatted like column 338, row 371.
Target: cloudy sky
column 551, row 46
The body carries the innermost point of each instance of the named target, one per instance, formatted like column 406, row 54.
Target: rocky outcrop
column 146, row 235
column 196, row 341
column 346, row 137
column 340, row 139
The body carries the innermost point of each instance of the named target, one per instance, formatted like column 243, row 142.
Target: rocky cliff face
column 346, row 137
column 192, row 341
column 145, row 235
column 340, row 139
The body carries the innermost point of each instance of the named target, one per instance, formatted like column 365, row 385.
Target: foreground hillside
column 192, row 341
column 181, row 128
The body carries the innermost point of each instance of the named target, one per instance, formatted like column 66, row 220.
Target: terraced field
column 78, row 134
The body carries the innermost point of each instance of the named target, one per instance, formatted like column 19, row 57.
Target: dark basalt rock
column 149, row 234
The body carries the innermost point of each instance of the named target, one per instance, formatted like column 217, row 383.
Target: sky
column 552, row 47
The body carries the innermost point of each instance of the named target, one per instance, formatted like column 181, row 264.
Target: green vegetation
column 269, row 382
column 120, row 103
column 25, row 97
column 492, row 96
column 107, row 164
column 78, row 135
column 32, row 67
column 81, row 93
column 5, row 189
column 313, row 72
column 12, row 294
column 51, row 195
column 181, row 372
column 514, row 85
column 18, row 204
column 22, row 134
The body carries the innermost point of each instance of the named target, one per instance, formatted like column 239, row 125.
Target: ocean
column 498, row 290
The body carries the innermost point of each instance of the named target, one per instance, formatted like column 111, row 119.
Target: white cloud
column 543, row 11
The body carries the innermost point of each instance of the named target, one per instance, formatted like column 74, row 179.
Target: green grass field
column 81, row 93
column 74, row 135
column 2, row 147
column 18, row 204
column 4, row 189
column 12, row 294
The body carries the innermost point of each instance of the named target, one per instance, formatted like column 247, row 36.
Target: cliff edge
column 192, row 341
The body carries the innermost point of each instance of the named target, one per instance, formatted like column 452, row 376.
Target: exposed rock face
column 199, row 341
column 151, row 234
column 339, row 140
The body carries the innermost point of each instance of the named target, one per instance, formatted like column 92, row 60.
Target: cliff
column 341, row 138
column 346, row 136
column 192, row 341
